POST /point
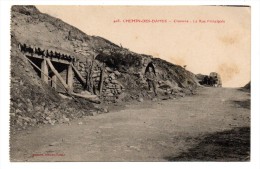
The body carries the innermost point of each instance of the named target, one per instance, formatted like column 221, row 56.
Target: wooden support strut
column 57, row 74
column 78, row 74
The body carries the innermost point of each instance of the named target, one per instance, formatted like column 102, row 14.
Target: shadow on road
column 243, row 89
column 243, row 103
column 231, row 145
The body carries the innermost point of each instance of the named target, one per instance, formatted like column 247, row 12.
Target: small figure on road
column 151, row 78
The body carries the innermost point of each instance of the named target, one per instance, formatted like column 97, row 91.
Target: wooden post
column 70, row 78
column 89, row 80
column 54, row 81
column 101, row 81
column 44, row 73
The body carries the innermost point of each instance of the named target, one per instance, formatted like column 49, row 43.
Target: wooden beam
column 52, row 59
column 70, row 77
column 57, row 74
column 44, row 71
column 82, row 80
column 91, row 98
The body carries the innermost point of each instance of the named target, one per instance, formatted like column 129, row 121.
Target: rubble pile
column 211, row 80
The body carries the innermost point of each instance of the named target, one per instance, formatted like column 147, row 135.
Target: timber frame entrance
column 55, row 67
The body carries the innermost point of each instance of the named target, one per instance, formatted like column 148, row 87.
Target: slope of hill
column 33, row 102
column 248, row 86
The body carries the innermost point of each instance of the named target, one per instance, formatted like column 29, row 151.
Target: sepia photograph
column 97, row 83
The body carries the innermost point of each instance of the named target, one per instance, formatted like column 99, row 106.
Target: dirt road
column 208, row 126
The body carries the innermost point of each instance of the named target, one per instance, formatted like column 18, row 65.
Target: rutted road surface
column 142, row 131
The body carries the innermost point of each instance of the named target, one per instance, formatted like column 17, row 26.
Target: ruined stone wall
column 111, row 88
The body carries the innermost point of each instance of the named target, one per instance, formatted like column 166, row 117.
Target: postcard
column 130, row 83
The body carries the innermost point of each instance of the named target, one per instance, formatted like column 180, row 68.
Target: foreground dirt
column 213, row 125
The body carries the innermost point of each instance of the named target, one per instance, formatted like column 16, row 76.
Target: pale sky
column 203, row 47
